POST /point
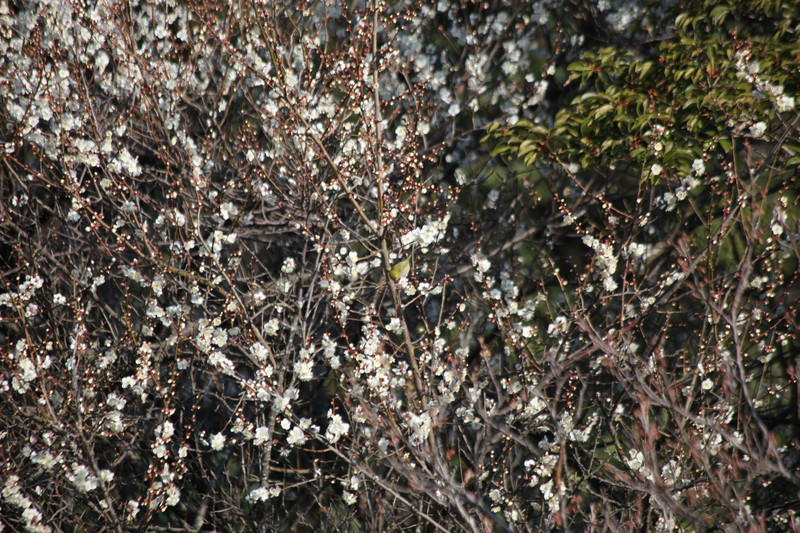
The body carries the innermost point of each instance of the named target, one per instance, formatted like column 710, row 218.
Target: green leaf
column 645, row 68
column 719, row 13
column 603, row 110
column 586, row 129
column 527, row 146
column 502, row 149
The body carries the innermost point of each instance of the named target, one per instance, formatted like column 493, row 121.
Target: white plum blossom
column 82, row 478
column 420, row 425
column 394, row 326
column 113, row 422
column 605, row 260
column 228, row 210
column 217, row 441
column 259, row 494
column 165, row 430
column 784, row 103
column 132, row 508
column 272, row 327
column 336, row 427
column 304, row 369
column 558, row 327
column 289, row 264
column 259, row 352
column 757, row 130
column 173, row 496
column 261, row 436
column 219, row 360
column 427, row 235
column 296, row 437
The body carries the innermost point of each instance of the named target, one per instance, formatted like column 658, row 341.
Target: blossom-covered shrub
column 205, row 205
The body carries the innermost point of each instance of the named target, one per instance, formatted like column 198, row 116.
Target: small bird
column 400, row 270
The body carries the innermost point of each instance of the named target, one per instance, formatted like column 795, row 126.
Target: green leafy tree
column 675, row 163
